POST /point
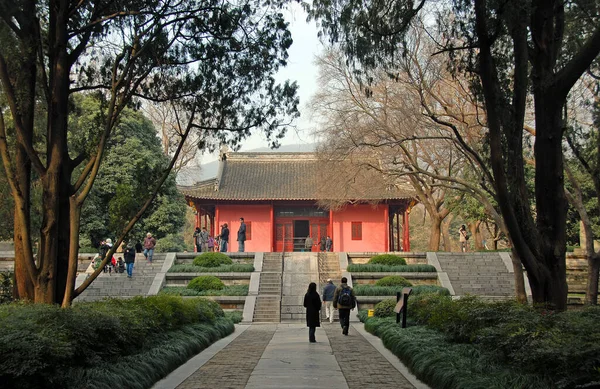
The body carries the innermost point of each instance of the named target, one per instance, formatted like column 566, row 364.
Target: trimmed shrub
column 387, row 259
column 385, row 308
column 235, row 268
column 372, row 268
column 393, row 281
column 212, row 260
column 205, row 283
column 231, row 290
column 44, row 346
column 471, row 343
column 424, row 289
column 235, row 316
column 374, row 290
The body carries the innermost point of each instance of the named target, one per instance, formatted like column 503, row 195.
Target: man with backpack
column 344, row 300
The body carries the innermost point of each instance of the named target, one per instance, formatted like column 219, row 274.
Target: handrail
column 281, row 281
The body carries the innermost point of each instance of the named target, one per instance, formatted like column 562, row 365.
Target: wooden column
column 333, row 238
column 272, row 235
column 199, row 218
column 212, row 225
column 397, row 231
column 386, row 217
column 406, row 227
column 217, row 229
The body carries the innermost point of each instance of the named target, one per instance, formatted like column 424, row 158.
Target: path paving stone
column 290, row 361
column 362, row 365
column 231, row 367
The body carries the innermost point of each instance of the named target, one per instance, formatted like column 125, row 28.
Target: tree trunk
column 434, row 233
column 591, row 292
column 446, row 233
column 551, row 204
column 520, row 292
column 476, row 234
column 23, row 281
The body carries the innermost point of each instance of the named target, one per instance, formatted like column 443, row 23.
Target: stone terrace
column 482, row 274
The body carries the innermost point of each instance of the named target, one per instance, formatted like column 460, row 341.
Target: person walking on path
column 322, row 244
column 224, row 238
column 149, row 244
column 344, row 300
column 308, row 243
column 463, row 236
column 241, row 235
column 204, row 239
column 129, row 259
column 328, row 293
column 312, row 303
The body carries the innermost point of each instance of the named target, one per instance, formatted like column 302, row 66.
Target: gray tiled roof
column 286, row 176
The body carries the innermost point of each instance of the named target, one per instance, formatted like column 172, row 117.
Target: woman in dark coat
column 312, row 303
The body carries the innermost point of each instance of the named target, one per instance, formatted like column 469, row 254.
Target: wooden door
column 284, row 233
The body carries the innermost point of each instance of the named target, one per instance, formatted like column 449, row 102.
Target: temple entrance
column 294, row 224
column 301, row 231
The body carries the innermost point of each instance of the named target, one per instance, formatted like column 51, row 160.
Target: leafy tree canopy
column 134, row 160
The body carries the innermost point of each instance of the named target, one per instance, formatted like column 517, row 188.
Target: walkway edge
column 378, row 344
column 177, row 376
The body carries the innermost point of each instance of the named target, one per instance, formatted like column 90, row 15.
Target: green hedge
column 212, row 260
column 236, row 267
column 385, row 308
column 500, row 344
column 374, row 290
column 232, row 290
column 204, row 283
column 397, row 281
column 372, row 268
column 387, row 259
column 441, row 363
column 110, row 344
column 235, row 316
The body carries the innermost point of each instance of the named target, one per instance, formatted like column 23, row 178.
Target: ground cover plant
column 387, row 259
column 469, row 343
column 110, row 344
column 376, row 268
column 393, row 281
column 212, row 260
column 374, row 290
column 230, row 290
column 203, row 283
column 233, row 268
column 235, row 316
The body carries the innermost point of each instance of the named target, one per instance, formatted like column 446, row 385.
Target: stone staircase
column 118, row 285
column 268, row 302
column 483, row 274
column 329, row 268
column 299, row 270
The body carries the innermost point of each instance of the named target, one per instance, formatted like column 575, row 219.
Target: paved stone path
column 280, row 356
column 232, row 366
column 362, row 365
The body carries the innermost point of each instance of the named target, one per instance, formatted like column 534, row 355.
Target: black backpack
column 345, row 297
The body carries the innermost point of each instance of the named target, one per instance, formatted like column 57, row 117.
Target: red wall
column 374, row 228
column 260, row 218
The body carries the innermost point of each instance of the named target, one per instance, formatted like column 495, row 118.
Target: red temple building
column 283, row 198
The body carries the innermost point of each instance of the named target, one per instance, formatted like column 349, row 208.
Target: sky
column 302, row 69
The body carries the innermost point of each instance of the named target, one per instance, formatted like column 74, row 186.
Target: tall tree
column 134, row 160
column 513, row 48
column 213, row 60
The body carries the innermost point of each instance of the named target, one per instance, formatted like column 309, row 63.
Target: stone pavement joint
column 231, row 367
column 362, row 365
